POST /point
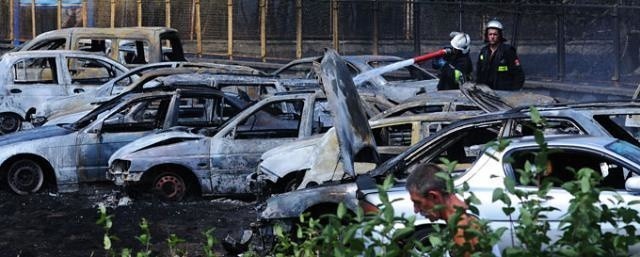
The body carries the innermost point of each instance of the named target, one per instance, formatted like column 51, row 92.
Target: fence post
column 198, row 30
column 298, row 29
column 193, row 11
column 167, row 13
column 33, row 18
column 375, row 27
column 334, row 25
column 460, row 14
column 113, row 14
column 85, row 18
column 560, row 43
column 11, row 22
column 59, row 15
column 516, row 26
column 416, row 29
column 139, row 7
column 263, row 30
column 230, row 29
column 616, row 43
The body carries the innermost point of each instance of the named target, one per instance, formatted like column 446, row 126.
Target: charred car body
column 148, row 76
column 315, row 161
column 397, row 85
column 70, row 154
column 131, row 46
column 220, row 161
column 29, row 78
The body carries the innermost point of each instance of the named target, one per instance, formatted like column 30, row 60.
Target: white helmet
column 461, row 41
column 494, row 24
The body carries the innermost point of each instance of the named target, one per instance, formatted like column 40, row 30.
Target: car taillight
column 368, row 208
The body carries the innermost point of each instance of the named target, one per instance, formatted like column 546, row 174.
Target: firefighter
column 455, row 68
column 498, row 64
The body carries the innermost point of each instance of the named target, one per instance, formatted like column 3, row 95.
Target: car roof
column 120, row 30
column 52, row 52
column 434, row 116
column 560, row 140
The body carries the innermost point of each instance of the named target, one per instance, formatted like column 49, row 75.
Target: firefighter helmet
column 461, row 41
column 494, row 24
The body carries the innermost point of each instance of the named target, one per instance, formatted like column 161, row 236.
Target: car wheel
column 292, row 184
column 170, row 186
column 9, row 123
column 25, row 176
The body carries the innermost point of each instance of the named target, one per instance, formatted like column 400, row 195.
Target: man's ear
column 434, row 196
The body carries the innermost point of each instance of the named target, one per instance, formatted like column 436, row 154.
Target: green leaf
column 106, row 242
column 498, row 194
column 435, row 241
column 342, row 210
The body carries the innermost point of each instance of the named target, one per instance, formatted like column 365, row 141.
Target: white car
column 617, row 161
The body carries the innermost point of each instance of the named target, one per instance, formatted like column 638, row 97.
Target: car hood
column 490, row 100
column 290, row 147
column 66, row 117
column 352, row 127
column 33, row 134
column 282, row 160
column 152, row 140
column 429, row 86
column 485, row 97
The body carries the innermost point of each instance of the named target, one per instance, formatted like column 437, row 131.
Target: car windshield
column 625, row 149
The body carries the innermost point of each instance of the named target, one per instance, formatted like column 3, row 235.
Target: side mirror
column 633, row 184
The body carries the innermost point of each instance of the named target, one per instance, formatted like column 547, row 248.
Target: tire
column 291, row 184
column 9, row 123
column 25, row 176
column 169, row 186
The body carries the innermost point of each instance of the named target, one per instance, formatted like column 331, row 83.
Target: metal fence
column 555, row 39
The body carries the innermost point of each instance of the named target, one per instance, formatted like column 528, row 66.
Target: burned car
column 131, row 46
column 463, row 142
column 144, row 77
column 397, row 85
column 217, row 162
column 68, row 155
column 29, row 78
column 470, row 97
column 315, row 161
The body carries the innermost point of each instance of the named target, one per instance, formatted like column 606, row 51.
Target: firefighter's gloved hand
column 438, row 63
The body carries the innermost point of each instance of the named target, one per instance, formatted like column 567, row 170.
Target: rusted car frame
column 129, row 45
column 29, row 78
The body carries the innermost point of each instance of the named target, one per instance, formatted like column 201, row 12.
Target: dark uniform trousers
column 502, row 71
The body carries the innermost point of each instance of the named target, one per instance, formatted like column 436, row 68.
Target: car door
column 88, row 73
column 34, row 79
column 130, row 121
column 236, row 154
column 561, row 165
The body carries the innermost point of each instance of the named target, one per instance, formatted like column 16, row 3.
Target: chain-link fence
column 554, row 38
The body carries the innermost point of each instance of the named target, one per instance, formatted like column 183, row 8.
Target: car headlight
column 119, row 166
